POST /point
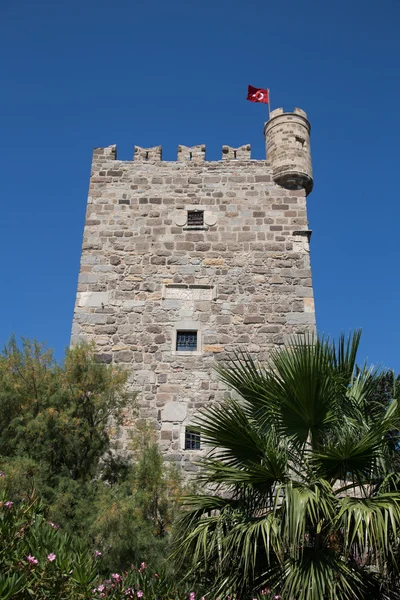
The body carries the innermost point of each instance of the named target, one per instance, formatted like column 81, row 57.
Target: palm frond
column 370, row 523
column 235, row 438
column 303, row 467
column 306, row 509
column 319, row 575
column 343, row 354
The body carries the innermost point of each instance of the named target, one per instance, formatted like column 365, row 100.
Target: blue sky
column 86, row 73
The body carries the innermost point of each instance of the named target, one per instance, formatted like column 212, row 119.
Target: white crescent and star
column 258, row 95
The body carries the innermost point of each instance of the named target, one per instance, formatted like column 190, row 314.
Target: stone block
column 94, row 299
column 174, row 412
column 306, row 318
column 213, row 348
column 248, row 319
column 123, row 356
column 309, row 305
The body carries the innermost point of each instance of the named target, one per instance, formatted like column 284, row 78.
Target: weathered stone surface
column 243, row 281
column 213, row 348
column 241, row 153
column 94, row 299
column 174, row 412
column 147, row 154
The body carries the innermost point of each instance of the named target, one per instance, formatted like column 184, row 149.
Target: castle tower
column 184, row 262
column 287, row 136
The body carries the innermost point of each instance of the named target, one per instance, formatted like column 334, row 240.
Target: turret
column 287, row 136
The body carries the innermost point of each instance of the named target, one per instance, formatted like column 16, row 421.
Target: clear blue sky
column 82, row 73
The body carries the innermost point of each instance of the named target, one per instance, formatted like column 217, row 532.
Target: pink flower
column 139, row 594
column 9, row 504
column 100, row 588
column 32, row 560
column 192, row 596
column 143, row 565
column 51, row 557
column 2, row 474
column 97, row 554
column 54, row 525
column 116, row 577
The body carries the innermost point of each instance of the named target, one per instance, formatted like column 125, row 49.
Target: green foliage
column 55, row 442
column 36, row 560
column 133, row 519
column 39, row 561
column 58, row 416
column 306, row 495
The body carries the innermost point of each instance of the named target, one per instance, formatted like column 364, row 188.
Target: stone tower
column 183, row 262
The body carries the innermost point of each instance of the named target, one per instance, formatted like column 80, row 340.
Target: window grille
column 192, row 438
column 195, row 218
column 186, row 341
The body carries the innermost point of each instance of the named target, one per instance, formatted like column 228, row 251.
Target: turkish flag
column 257, row 95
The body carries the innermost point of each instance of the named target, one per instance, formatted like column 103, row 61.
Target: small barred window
column 186, row 341
column 195, row 218
column 192, row 438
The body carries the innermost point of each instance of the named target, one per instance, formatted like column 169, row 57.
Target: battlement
column 194, row 154
column 288, row 154
column 279, row 111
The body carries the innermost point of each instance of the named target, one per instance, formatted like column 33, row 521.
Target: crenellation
column 239, row 277
column 147, row 154
column 195, row 154
column 241, row 153
column 103, row 154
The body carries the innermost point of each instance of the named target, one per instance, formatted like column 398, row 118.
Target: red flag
column 258, row 95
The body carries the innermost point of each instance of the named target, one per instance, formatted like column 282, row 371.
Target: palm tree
column 303, row 496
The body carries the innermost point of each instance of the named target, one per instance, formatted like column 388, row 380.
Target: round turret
column 287, row 136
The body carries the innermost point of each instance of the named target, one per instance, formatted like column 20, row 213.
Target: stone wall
column 242, row 280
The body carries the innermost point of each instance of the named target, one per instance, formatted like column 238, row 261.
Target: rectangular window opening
column 195, row 218
column 186, row 341
column 192, row 438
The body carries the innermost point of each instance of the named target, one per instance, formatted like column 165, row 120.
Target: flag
column 258, row 95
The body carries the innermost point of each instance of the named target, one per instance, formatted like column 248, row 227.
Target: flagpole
column 269, row 104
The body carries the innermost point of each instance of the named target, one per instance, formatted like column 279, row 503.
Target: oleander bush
column 39, row 561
